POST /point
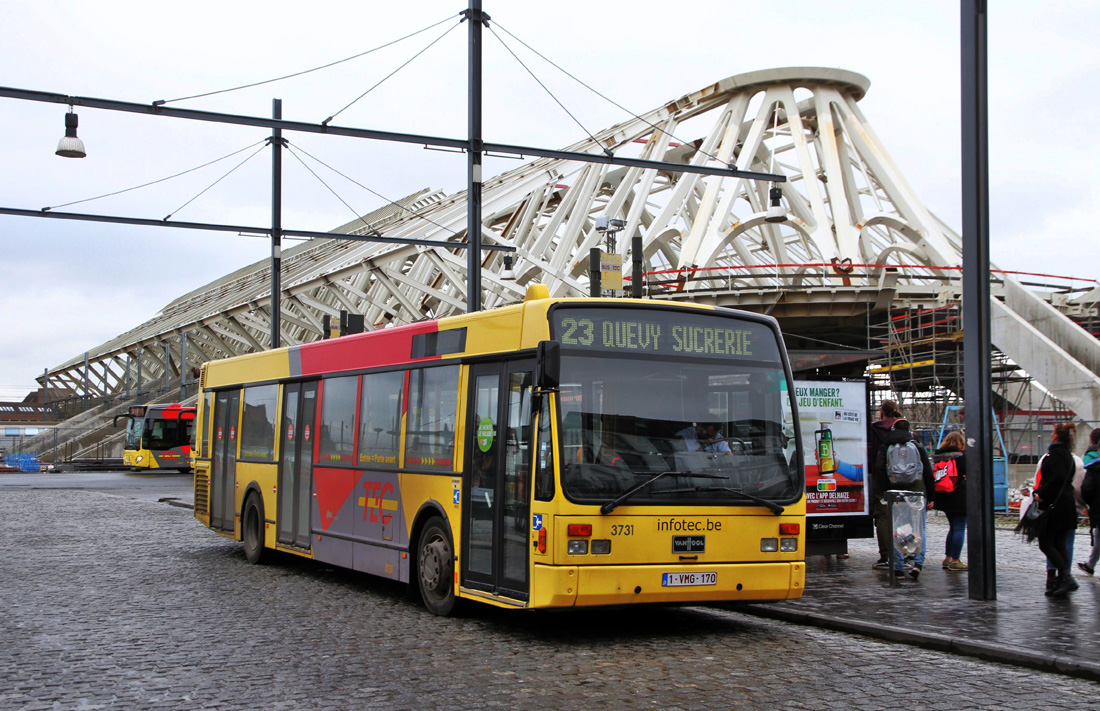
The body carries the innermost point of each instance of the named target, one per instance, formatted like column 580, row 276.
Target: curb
column 986, row 651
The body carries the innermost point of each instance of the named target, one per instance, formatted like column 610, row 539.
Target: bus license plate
column 677, row 579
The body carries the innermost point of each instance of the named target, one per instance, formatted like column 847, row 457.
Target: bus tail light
column 578, row 547
column 769, row 545
column 580, row 529
column 542, row 540
column 789, row 529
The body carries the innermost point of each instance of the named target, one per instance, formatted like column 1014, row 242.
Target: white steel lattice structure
column 705, row 237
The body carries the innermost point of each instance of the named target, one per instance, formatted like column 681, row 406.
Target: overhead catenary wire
column 231, row 170
column 372, row 230
column 377, row 194
column 547, row 90
column 154, row 182
column 395, row 71
column 611, row 101
column 305, row 71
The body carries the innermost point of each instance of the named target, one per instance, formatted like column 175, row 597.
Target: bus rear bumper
column 585, row 586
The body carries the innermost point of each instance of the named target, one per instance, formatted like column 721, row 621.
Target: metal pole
column 138, row 384
column 637, row 269
column 129, row 361
column 276, row 220
column 977, row 344
column 183, row 365
column 473, row 194
column 167, row 365
column 594, row 276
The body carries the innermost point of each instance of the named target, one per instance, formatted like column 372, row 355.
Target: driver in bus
column 704, row 437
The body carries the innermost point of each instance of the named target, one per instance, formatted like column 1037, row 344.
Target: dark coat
column 880, row 430
column 1056, row 487
column 924, row 485
column 955, row 501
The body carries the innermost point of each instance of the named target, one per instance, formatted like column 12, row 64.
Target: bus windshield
column 162, row 433
column 712, row 425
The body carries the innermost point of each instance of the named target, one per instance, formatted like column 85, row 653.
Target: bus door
column 223, row 473
column 296, row 463
column 496, row 478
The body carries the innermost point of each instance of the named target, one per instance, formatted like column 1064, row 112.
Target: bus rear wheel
column 435, row 567
column 252, row 529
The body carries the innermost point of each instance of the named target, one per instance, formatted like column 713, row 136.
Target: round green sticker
column 485, row 433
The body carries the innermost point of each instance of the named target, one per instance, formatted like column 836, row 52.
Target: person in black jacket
column 952, row 503
column 880, row 430
column 1090, row 494
column 900, row 434
column 1055, row 494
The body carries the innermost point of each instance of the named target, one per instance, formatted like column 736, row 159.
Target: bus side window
column 544, row 473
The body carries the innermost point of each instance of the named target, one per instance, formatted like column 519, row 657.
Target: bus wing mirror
column 548, row 365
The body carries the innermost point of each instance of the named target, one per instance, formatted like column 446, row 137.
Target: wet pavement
column 1022, row 626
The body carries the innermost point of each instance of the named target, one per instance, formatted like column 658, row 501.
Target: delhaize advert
column 834, row 437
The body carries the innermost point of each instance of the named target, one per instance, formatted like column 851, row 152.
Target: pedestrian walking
column 1054, row 495
column 880, row 511
column 949, row 495
column 1075, row 485
column 1090, row 494
column 903, row 465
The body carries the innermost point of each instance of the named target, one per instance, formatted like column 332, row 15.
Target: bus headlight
column 788, row 545
column 578, row 547
column 769, row 545
column 139, row 458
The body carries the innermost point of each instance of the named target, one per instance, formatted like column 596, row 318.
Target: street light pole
column 475, row 17
column 977, row 343
column 276, row 220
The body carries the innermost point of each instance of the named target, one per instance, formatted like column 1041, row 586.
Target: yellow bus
column 158, row 437
column 550, row 454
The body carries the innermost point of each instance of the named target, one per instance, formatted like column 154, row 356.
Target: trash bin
column 907, row 523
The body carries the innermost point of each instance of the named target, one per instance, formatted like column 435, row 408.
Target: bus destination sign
column 664, row 332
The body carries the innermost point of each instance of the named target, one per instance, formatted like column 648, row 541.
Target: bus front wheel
column 252, row 529
column 435, row 564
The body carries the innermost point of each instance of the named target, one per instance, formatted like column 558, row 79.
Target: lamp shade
column 70, row 146
column 776, row 213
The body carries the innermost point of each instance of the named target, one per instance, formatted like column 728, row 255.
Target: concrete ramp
column 1050, row 347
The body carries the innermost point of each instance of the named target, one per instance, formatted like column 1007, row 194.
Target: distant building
column 21, row 420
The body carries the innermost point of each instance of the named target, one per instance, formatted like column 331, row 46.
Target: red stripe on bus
column 390, row 346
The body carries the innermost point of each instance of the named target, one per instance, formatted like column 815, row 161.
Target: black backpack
column 1090, row 488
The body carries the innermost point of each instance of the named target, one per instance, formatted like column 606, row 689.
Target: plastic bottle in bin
column 906, row 541
column 826, row 464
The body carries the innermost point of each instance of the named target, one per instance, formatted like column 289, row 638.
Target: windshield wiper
column 771, row 505
column 611, row 505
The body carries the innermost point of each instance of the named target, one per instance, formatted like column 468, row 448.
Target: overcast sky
column 69, row 286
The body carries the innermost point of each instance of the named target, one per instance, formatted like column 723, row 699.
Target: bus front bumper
column 585, row 586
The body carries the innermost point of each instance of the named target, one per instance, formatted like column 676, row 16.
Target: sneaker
column 899, row 574
column 914, row 573
column 882, row 564
column 957, row 565
column 1086, row 567
column 946, row 564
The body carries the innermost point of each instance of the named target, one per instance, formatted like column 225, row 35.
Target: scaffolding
column 922, row 370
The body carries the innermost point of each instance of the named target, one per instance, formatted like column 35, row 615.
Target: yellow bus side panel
column 251, row 368
column 265, row 476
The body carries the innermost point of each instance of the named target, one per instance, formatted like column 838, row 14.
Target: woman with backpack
column 949, row 494
column 1055, row 496
column 902, row 465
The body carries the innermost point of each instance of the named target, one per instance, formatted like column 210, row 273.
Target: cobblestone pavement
column 115, row 603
